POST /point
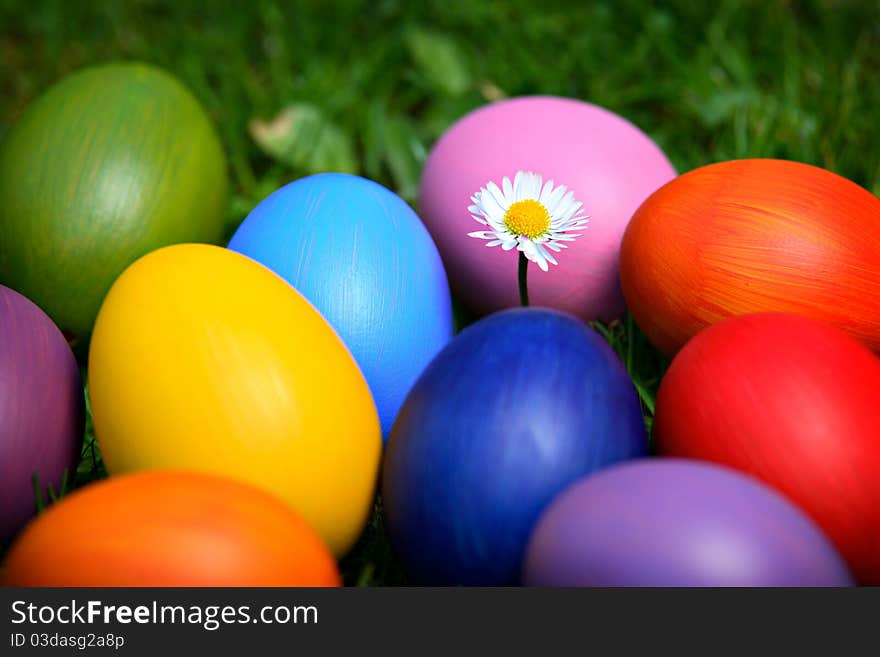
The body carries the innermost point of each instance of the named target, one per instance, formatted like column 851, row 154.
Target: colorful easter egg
column 169, row 528
column 109, row 164
column 41, row 410
column 676, row 522
column 363, row 258
column 751, row 236
column 202, row 358
column 513, row 410
column 608, row 164
column 792, row 402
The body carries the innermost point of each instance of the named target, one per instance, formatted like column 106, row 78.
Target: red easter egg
column 792, row 402
column 751, row 236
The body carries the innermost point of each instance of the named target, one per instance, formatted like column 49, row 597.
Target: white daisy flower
column 529, row 214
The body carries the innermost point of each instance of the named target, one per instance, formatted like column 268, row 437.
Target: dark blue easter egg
column 513, row 410
column 364, row 259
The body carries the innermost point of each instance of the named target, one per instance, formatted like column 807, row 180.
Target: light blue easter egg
column 364, row 259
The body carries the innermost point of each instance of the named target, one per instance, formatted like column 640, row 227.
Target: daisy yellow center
column 527, row 217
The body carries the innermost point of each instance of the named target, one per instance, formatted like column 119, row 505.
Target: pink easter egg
column 609, row 164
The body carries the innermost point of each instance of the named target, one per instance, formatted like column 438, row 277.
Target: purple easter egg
column 676, row 522
column 608, row 163
column 41, row 409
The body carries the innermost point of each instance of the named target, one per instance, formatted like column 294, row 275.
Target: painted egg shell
column 41, row 410
column 363, row 258
column 794, row 403
column 750, row 236
column 513, row 410
column 676, row 522
column 610, row 165
column 169, row 528
column 204, row 359
column 110, row 163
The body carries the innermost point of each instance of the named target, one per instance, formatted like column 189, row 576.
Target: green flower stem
column 523, row 284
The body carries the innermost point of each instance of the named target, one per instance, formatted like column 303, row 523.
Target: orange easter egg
column 169, row 528
column 750, row 236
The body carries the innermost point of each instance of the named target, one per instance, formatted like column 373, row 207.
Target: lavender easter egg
column 514, row 409
column 41, row 409
column 363, row 258
column 676, row 522
column 608, row 164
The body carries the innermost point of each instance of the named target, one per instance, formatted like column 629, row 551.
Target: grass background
column 300, row 87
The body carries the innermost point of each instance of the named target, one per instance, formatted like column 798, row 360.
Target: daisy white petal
column 507, row 188
column 497, row 195
column 564, row 203
column 546, row 254
column 491, row 208
column 540, row 259
column 535, row 217
column 527, row 247
column 532, row 188
column 546, row 193
column 553, row 199
column 520, row 181
column 570, row 212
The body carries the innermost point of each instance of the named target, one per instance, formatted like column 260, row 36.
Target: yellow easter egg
column 202, row 358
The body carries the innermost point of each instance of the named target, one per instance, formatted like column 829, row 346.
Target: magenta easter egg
column 608, row 164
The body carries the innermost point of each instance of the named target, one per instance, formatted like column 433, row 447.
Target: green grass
column 372, row 85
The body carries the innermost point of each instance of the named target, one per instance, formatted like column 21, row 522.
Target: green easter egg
column 110, row 163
